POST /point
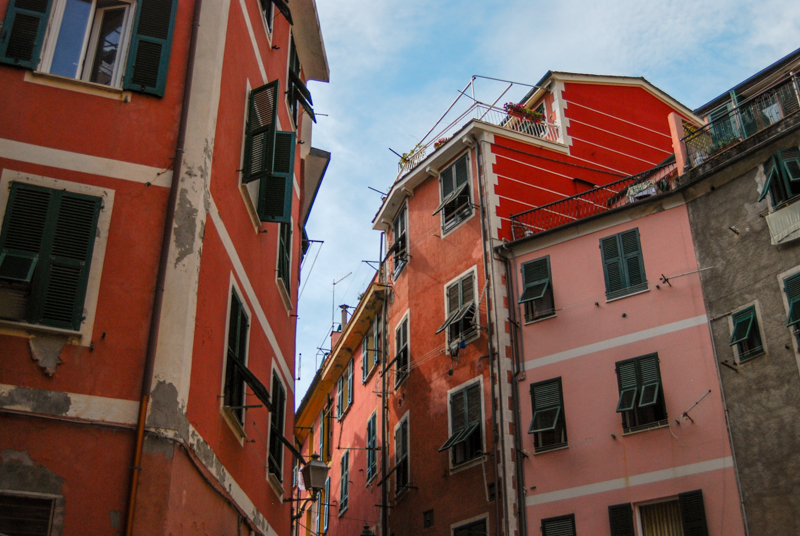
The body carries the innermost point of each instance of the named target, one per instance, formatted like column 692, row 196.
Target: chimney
column 336, row 334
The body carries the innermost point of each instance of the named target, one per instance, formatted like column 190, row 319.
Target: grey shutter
column 536, row 279
column 467, row 290
column 148, row 56
column 650, row 380
column 693, row 513
column 23, row 32
column 340, row 397
column 260, row 132
column 276, row 189
column 620, row 517
column 462, row 175
column 474, row 403
column 634, row 263
column 458, row 414
column 561, row 526
column 546, row 404
column 612, row 264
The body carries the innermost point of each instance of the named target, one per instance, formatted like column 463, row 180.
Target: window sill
column 471, row 337
column 742, row 360
column 15, row 328
column 342, row 511
column 402, row 494
column 72, row 84
column 287, row 300
column 370, row 480
column 341, row 417
column 645, row 427
column 540, row 319
column 370, row 374
column 236, row 427
column 452, row 226
column 633, row 292
column 550, row 448
column 477, row 460
column 276, row 485
column 398, row 384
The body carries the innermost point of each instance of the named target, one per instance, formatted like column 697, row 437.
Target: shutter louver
column 564, row 526
column 620, row 519
column 461, row 171
column 276, row 189
column 148, row 56
column 474, row 403
column 771, row 172
column 792, row 289
column 457, row 408
column 693, row 513
column 284, row 9
column 23, row 32
column 536, row 279
column 612, row 262
column 626, row 376
column 24, row 225
column 791, row 163
column 546, row 404
column 260, row 132
column 633, row 258
column 467, row 290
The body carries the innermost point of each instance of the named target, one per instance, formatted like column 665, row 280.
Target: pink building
column 626, row 425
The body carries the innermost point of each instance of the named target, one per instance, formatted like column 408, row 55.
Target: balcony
column 752, row 116
column 591, row 202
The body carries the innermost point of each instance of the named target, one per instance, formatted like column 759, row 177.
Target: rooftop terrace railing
column 591, row 202
column 756, row 114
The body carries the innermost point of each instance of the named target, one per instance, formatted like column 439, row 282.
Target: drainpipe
column 158, row 300
column 384, row 398
column 498, row 421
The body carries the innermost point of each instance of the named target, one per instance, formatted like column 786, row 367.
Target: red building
column 156, row 174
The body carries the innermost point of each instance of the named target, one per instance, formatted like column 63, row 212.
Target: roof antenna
column 333, row 299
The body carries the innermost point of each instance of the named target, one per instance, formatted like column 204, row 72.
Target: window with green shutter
column 88, row 40
column 344, row 484
column 466, row 436
column 371, row 346
column 456, row 205
column 46, row 246
column 399, row 249
column 326, row 498
column 537, row 293
column 791, row 285
column 559, row 526
column 620, row 518
column 284, row 256
column 276, row 425
column 623, row 264
column 693, row 513
column 345, row 390
column 402, row 471
column 234, row 391
column 746, row 335
column 548, row 425
column 401, row 359
column 372, row 447
column 460, row 311
column 641, row 397
column 298, row 92
column 782, row 172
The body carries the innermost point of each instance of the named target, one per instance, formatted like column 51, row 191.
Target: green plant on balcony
column 441, row 141
column 519, row 110
column 405, row 158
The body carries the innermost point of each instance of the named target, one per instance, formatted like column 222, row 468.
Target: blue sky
column 395, row 67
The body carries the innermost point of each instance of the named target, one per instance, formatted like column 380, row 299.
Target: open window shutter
column 628, row 385
column 276, row 189
column 462, row 176
column 693, row 513
column 474, row 403
column 612, row 264
column 742, row 324
column 771, row 172
column 650, row 380
column 447, row 181
column 148, row 57
column 322, row 435
column 632, row 252
column 453, row 306
column 284, row 9
column 791, row 163
column 620, row 518
column 23, row 32
column 66, row 267
column 792, row 288
column 25, row 220
column 327, row 503
column 467, row 290
column 364, row 357
column 458, row 412
column 536, row 279
column 546, row 403
column 260, row 132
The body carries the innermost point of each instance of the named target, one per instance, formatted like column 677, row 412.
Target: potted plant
column 519, row 110
column 441, row 141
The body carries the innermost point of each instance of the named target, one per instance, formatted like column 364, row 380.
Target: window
column 548, row 425
column 538, row 290
column 401, row 352
column 559, row 526
column 427, row 519
column 371, row 346
column 399, row 247
column 745, row 334
column 478, row 528
column 276, row 428
column 461, row 311
column 25, row 515
column 641, row 398
column 326, row 504
column 269, row 156
column 298, row 92
column 284, row 256
column 454, row 183
column 686, row 515
column 268, row 11
column 783, row 176
column 234, row 394
column 345, row 482
column 623, row 264
column 345, row 390
column 372, row 448
column 325, row 433
column 791, row 285
column 46, row 245
column 466, row 438
column 87, row 40
column 402, row 472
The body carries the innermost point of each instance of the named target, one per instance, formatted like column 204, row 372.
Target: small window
column 782, row 171
column 461, row 311
column 478, row 528
column 401, row 352
column 234, row 393
column 623, row 264
column 46, row 246
column 402, row 471
column 641, row 397
column 466, row 436
column 345, row 390
column 276, row 425
column 456, row 205
column 791, row 286
column 746, row 335
column 372, row 448
column 537, row 294
column 559, row 526
column 548, row 425
column 399, row 247
column 371, row 348
column 344, row 483
column 25, row 515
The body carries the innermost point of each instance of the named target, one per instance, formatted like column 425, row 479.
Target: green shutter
column 612, row 264
column 300, row 92
column 559, row 526
column 22, row 232
column 742, row 324
column 546, row 401
column 623, row 264
column 634, row 264
column 260, row 132
column 650, row 380
column 458, row 418
column 462, row 175
column 148, row 55
column 628, row 385
column 536, row 279
column 284, row 9
column 276, row 190
column 693, row 513
column 792, row 288
column 620, row 518
column 791, row 163
column 771, row 171
column 23, row 32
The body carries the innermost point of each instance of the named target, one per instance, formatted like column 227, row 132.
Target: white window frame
column 735, row 347
column 478, row 459
column 82, row 337
column 238, row 429
column 476, row 301
column 405, row 419
column 90, row 40
column 400, row 381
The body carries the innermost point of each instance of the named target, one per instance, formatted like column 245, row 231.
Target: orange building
column 156, row 174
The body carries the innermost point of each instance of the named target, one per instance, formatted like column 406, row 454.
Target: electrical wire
column 308, row 275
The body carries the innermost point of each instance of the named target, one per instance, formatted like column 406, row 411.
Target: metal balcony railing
column 591, row 202
column 482, row 112
column 750, row 117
